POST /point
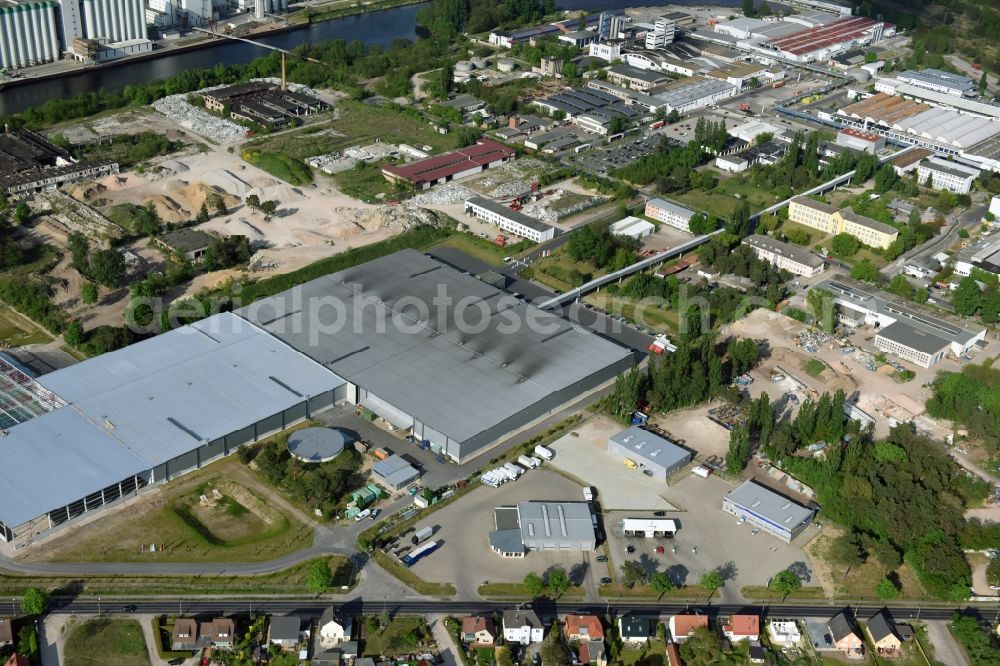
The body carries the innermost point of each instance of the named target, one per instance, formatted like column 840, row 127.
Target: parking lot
column 707, row 539
column 583, row 454
column 465, row 559
column 622, row 152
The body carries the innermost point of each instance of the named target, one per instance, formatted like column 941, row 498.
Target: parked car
column 605, row 581
column 364, row 514
column 375, row 513
column 602, row 558
column 131, row 608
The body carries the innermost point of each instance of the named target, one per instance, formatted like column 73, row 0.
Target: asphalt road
column 314, row 608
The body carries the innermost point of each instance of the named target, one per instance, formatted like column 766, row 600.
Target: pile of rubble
column 547, row 210
column 452, row 193
column 392, row 218
column 199, row 121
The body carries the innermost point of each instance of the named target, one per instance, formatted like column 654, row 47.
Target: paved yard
column 946, row 648
column 583, row 454
column 465, row 558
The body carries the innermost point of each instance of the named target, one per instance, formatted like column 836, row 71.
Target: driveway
column 946, row 648
column 445, row 641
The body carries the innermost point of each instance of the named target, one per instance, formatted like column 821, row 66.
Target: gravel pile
column 197, row 120
column 542, row 210
column 510, row 189
column 451, row 193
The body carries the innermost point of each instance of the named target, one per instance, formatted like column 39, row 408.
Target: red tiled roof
column 441, row 166
column 575, row 622
column 744, row 625
column 684, row 625
column 472, row 624
column 858, row 134
column 17, row 660
column 674, row 655
column 814, row 39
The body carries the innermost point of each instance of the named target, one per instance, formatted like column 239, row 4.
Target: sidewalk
column 449, row 651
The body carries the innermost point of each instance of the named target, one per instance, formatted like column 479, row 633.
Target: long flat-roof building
column 541, row 526
column 904, row 329
column 763, row 508
column 669, row 213
column 832, row 220
column 792, row 258
column 939, row 81
column 945, row 175
column 426, row 173
column 509, row 220
column 430, row 349
column 984, row 255
column 643, row 450
column 30, row 163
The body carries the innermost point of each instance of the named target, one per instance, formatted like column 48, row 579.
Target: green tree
column 846, row 550
column 748, row 8
column 738, row 454
column 88, row 293
column 993, row 572
column 967, row 297
column 22, row 213
column 785, row 582
column 74, row 334
column 34, row 601
column 660, row 583
column 864, row 271
column 533, row 585
column 253, row 202
column 632, row 573
column 202, row 213
column 821, row 303
column 982, row 84
column 557, row 582
column 320, row 577
column 220, row 205
column 711, row 581
column 268, row 208
column 886, row 590
column 108, row 267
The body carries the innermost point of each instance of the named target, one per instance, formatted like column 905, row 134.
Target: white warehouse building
column 945, row 175
column 29, row 34
column 509, row 220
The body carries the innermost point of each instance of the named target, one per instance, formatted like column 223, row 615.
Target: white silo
column 258, row 9
column 4, row 39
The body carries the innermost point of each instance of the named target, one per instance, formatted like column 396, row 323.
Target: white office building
column 663, row 33
column 669, row 213
column 945, row 175
column 940, row 81
column 509, row 220
column 785, row 256
column 29, row 34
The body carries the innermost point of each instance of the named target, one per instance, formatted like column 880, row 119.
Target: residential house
column 592, row 652
column 584, row 628
column 6, row 632
column 522, row 626
column 478, row 630
column 333, row 628
column 784, row 633
column 184, row 635
column 883, row 635
column 742, row 628
column 636, row 628
column 674, row 655
column 220, row 632
column 283, row 631
column 682, row 627
column 845, row 636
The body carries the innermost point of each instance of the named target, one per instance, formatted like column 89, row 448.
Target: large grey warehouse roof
column 769, row 505
column 558, row 520
column 133, row 409
column 914, row 338
column 390, row 327
column 650, row 447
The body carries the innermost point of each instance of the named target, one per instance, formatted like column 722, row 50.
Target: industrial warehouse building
column 903, row 328
column 509, row 220
column 762, row 507
column 655, row 456
column 543, row 526
column 444, row 168
column 144, row 414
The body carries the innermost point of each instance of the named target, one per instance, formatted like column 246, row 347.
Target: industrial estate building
column 424, row 174
column 940, row 81
column 832, row 220
column 263, row 103
column 104, row 428
column 669, row 213
column 651, row 528
column 945, row 175
column 805, row 37
column 632, row 227
column 792, row 258
column 763, row 508
column 31, row 163
column 541, row 526
column 984, row 255
column 904, row 329
column 643, row 450
column 509, row 220
column 858, row 140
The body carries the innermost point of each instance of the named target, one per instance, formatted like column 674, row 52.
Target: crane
column 283, row 52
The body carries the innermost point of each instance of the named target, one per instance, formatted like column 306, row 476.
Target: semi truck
column 420, row 553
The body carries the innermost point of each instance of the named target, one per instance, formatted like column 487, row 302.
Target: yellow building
column 831, row 220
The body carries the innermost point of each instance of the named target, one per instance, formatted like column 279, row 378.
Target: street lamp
column 98, row 605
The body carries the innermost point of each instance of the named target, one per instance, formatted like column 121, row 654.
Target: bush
column 844, row 245
column 281, row 166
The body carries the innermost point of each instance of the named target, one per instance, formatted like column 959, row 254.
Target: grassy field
column 483, row 249
column 358, row 124
column 366, row 182
column 402, row 635
column 618, row 591
column 814, row 367
column 721, row 201
column 756, row 592
column 287, row 581
column 242, row 525
column 517, row 591
column 280, row 165
column 105, row 642
column 652, row 653
column 656, row 318
column 17, row 330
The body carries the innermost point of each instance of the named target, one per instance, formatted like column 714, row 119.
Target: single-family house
column 845, row 636
column 674, row 655
column 883, row 635
column 682, row 627
column 636, row 628
column 522, row 626
column 478, row 630
column 584, row 628
column 592, row 652
column 220, row 632
column 283, row 631
column 6, row 632
column 742, row 628
column 333, row 627
column 183, row 637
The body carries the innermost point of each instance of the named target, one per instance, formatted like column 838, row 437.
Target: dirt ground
column 699, row 432
column 877, row 393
